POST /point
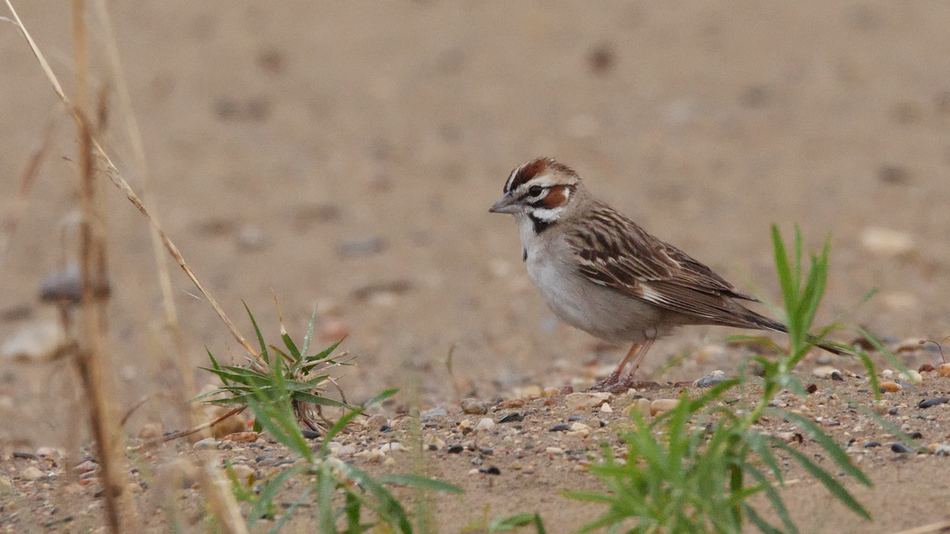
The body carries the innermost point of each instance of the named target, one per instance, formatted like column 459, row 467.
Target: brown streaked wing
column 614, row 252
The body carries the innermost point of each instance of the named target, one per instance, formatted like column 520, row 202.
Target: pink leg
column 640, row 354
column 613, row 382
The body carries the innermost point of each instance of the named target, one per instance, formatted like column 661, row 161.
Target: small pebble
column 872, row 444
column 376, row 421
column 512, row 418
column 485, row 423
column 711, row 379
column 901, row 448
column 491, row 470
column 559, row 428
column 32, row 473
column 927, row 403
column 207, row 443
column 662, row 405
column 455, row 449
column 943, row 370
column 34, row 342
column 250, row 238
column 912, row 376
column 605, row 408
column 86, row 467
column 886, row 242
column 473, row 406
column 428, row 415
column 529, row 392
column 890, row 387
column 554, row 450
column 585, row 401
column 50, row 452
column 346, row 450
column 248, row 437
column 550, row 392
column 942, row 450
column 826, row 371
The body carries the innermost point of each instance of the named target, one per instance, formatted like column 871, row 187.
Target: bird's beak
column 506, row 204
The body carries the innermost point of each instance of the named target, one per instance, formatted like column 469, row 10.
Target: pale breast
column 597, row 310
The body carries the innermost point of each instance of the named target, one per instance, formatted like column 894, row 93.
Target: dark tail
column 764, row 323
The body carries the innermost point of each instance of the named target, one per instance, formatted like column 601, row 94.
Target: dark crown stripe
column 533, row 169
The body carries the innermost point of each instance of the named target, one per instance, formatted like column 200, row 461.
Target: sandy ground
column 346, row 154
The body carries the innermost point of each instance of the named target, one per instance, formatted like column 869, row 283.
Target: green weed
column 697, row 467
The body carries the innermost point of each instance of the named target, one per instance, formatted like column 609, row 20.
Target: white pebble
column 485, row 423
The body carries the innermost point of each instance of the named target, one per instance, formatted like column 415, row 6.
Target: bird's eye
column 535, row 190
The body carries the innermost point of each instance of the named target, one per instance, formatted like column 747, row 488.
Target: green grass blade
column 827, row 480
column 760, row 523
column 828, row 444
column 389, row 509
column 260, row 336
column 309, row 335
column 774, row 498
column 419, row 482
column 514, row 522
column 266, row 497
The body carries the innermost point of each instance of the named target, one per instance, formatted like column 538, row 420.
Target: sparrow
column 600, row 272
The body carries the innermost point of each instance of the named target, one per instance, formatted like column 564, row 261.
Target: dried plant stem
column 140, row 163
column 92, row 356
column 123, row 186
column 190, row 431
column 220, row 499
column 27, row 178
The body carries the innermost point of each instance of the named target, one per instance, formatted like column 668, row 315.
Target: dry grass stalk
column 183, row 433
column 140, row 166
column 93, row 357
column 27, row 179
column 116, row 177
column 221, row 501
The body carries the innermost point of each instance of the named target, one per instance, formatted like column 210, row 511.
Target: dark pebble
column 492, row 470
column 385, row 428
column 66, row 286
column 925, row 368
column 601, row 59
column 811, row 388
column 455, row 449
column 915, row 435
column 559, row 428
column 512, row 418
column 576, row 418
column 24, row 455
column 310, row 434
column 901, row 448
column 893, row 411
column 835, row 375
column 893, row 174
column 932, row 402
column 872, row 444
